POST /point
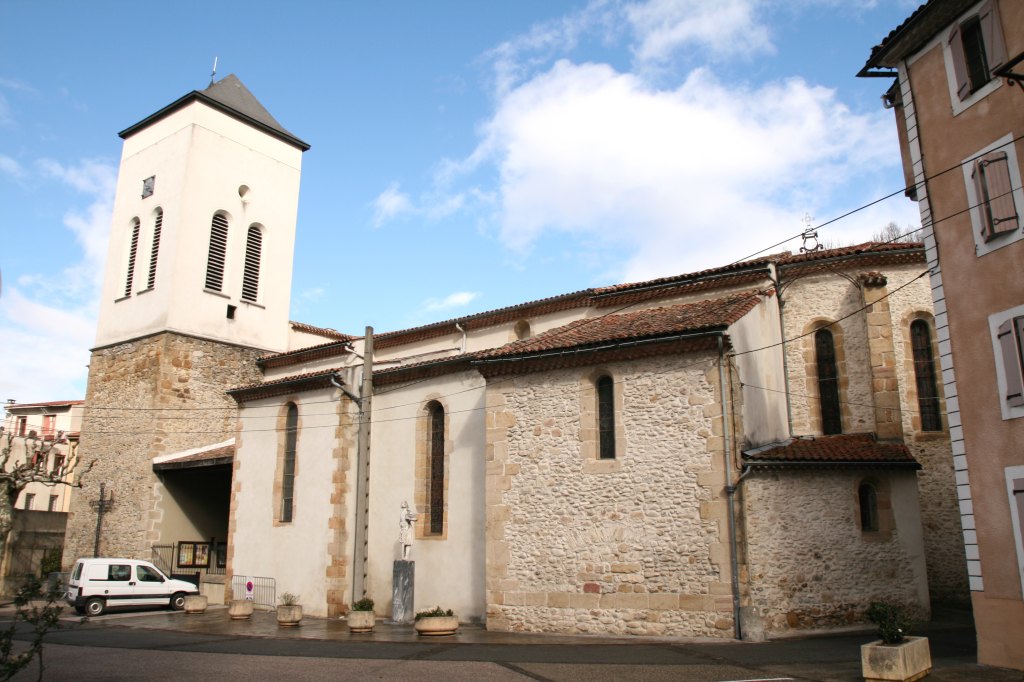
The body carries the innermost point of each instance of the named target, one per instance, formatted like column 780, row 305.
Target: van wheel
column 95, row 607
column 178, row 601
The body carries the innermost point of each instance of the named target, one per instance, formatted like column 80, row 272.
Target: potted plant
column 436, row 622
column 195, row 603
column 361, row 618
column 895, row 655
column 240, row 609
column 289, row 611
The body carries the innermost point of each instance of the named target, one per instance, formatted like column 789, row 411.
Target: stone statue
column 405, row 520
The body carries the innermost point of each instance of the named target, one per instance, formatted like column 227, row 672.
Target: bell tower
column 203, row 227
column 196, row 289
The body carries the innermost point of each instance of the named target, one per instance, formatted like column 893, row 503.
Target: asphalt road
column 173, row 646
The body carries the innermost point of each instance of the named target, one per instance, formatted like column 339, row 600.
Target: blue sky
column 466, row 155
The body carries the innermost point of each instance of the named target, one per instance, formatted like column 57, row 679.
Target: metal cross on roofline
column 809, row 234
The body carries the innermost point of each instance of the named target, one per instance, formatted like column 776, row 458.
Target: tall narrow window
column 867, row 496
column 436, row 413
column 291, row 428
column 606, row 417
column 828, row 382
column 218, row 252
column 158, row 223
column 133, row 251
column 251, row 275
column 924, row 372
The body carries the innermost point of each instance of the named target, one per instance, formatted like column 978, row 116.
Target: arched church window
column 867, row 498
column 158, row 223
column 291, row 429
column 924, row 373
column 436, row 482
column 218, row 252
column 606, row 417
column 828, row 382
column 251, row 274
column 133, row 252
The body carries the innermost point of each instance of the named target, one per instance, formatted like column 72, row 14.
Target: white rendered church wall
column 450, row 568
column 293, row 553
column 761, row 373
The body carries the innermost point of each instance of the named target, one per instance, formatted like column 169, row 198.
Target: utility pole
column 101, row 506
column 363, row 472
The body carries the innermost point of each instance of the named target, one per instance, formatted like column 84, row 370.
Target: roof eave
column 197, row 96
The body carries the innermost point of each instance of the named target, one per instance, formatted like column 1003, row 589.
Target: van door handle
column 131, row 583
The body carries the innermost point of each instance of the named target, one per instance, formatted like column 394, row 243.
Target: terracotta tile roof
column 299, row 382
column 210, row 455
column 641, row 324
column 317, row 352
column 848, row 449
column 53, row 403
column 917, row 29
column 325, row 332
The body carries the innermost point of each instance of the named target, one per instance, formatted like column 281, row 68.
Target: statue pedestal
column 403, row 586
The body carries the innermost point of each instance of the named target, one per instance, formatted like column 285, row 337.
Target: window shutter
column 218, row 251
column 157, row 225
column 133, row 251
column 1008, row 335
column 995, row 192
column 992, row 34
column 251, row 276
column 956, row 48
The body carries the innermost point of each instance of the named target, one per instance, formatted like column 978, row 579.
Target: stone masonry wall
column 810, row 565
column 149, row 397
column 830, row 296
column 635, row 545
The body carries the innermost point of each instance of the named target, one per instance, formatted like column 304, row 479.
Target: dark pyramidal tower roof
column 230, row 96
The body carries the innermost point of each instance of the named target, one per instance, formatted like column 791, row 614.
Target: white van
column 98, row 584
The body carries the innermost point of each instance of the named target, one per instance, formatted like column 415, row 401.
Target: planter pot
column 361, row 621
column 195, row 603
column 435, row 626
column 240, row 609
column 289, row 615
column 909, row 660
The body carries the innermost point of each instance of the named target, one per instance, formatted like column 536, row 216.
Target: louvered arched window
column 158, row 223
column 828, row 382
column 924, row 373
column 251, row 274
column 218, row 253
column 133, row 252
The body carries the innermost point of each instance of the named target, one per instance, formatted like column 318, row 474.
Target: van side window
column 120, row 572
column 147, row 574
column 78, row 571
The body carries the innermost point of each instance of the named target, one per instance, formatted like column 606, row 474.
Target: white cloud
column 48, row 321
column 721, row 28
column 457, row 300
column 389, row 204
column 313, row 295
column 9, row 166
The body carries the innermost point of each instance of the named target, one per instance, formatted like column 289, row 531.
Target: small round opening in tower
column 243, row 190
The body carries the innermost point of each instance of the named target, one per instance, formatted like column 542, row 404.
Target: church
column 746, row 451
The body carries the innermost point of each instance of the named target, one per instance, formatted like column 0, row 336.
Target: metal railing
column 264, row 590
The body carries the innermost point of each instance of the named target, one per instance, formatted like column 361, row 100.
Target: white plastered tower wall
column 202, row 162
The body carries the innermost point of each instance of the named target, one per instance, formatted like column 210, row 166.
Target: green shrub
column 364, row 604
column 434, row 613
column 51, row 561
column 289, row 599
column 892, row 621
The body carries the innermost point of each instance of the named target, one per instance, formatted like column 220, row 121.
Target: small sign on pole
column 249, row 590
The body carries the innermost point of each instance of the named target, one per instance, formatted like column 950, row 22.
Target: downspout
column 359, row 552
column 785, row 359
column 730, row 490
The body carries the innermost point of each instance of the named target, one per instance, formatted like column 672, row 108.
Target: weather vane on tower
column 809, row 235
column 213, row 74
